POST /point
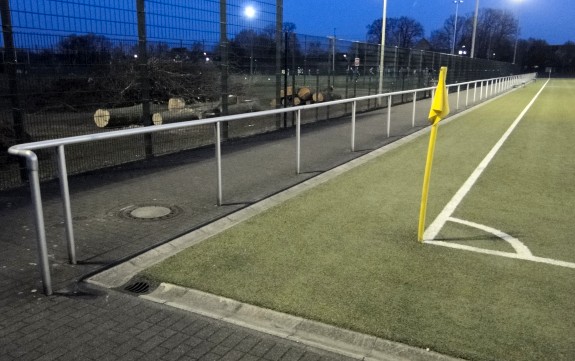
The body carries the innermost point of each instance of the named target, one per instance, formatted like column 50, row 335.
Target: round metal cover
column 150, row 212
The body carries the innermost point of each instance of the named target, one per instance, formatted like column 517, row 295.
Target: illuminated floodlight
column 250, row 12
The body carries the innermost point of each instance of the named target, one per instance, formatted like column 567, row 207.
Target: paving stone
column 249, row 357
column 233, row 339
column 263, row 347
column 247, row 343
column 276, row 352
column 221, row 350
column 293, row 354
column 232, row 355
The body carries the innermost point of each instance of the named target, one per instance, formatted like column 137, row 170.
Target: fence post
column 10, row 64
column 144, row 76
column 285, row 70
column 278, row 39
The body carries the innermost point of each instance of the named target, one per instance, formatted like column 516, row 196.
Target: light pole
column 382, row 51
column 456, row 2
column 516, row 40
column 516, row 34
column 474, row 29
column 250, row 13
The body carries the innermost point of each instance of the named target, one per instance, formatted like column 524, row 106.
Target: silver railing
column 487, row 88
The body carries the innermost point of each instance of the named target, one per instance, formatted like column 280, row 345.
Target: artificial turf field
column 346, row 252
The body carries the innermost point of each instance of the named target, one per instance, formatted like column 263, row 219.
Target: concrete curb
column 311, row 333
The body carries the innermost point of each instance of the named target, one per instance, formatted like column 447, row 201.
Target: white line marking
column 550, row 261
column 432, row 231
column 517, row 245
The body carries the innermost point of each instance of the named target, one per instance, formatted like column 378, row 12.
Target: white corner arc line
column 550, row 261
column 518, row 246
column 434, row 228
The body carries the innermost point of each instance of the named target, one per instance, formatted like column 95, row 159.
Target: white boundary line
column 434, row 228
column 518, row 246
column 521, row 251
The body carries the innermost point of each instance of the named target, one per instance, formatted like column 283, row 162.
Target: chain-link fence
column 72, row 67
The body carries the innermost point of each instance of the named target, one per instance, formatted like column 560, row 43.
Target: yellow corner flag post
column 439, row 110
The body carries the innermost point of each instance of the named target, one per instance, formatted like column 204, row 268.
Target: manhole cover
column 150, row 212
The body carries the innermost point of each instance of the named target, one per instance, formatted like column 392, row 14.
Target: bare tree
column 496, row 32
column 403, row 32
column 441, row 39
column 406, row 32
column 495, row 38
column 85, row 49
column 374, row 31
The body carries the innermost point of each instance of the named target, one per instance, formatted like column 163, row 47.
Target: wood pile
column 125, row 116
column 304, row 95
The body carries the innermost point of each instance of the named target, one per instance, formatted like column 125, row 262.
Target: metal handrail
column 492, row 86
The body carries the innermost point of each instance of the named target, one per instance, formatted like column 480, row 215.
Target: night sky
column 552, row 21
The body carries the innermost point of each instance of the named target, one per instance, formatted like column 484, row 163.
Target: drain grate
column 138, row 287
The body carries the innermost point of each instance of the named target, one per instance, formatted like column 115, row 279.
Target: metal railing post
column 219, row 162
column 474, row 92
column 32, row 164
column 65, row 191
column 298, row 141
column 467, row 96
column 413, row 109
column 389, row 100
column 353, row 109
column 457, row 103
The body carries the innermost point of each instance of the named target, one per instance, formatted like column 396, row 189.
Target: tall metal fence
column 75, row 67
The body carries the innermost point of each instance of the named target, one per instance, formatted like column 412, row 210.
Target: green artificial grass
column 346, row 252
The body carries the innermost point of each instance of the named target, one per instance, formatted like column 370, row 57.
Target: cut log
column 116, row 117
column 174, row 116
column 289, row 92
column 297, row 101
column 304, row 93
column 317, row 97
column 176, row 103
